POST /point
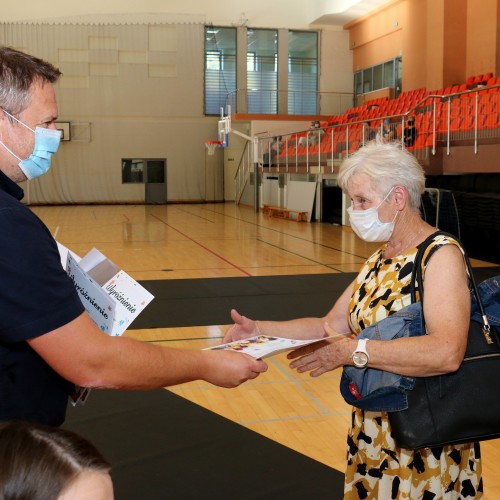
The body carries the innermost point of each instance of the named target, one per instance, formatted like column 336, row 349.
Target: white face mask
column 367, row 225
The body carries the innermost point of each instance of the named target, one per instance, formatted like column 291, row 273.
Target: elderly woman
column 385, row 184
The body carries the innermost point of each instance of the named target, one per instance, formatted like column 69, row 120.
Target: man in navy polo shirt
column 48, row 343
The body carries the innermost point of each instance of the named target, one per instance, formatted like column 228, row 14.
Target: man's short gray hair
column 18, row 72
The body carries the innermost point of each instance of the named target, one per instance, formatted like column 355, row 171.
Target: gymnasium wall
column 442, row 42
column 290, row 14
column 133, row 82
column 132, row 87
column 133, row 91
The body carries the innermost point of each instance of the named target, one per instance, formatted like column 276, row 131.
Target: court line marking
column 261, row 226
column 202, row 246
column 298, row 384
column 328, row 266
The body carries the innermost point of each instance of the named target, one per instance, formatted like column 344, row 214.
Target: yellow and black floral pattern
column 376, row 467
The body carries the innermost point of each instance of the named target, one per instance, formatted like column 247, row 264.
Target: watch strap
column 361, row 347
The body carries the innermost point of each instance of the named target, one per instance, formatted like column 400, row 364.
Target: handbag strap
column 417, row 279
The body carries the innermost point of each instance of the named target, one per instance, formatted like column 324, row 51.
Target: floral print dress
column 376, row 467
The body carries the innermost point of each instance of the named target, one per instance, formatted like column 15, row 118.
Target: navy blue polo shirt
column 36, row 297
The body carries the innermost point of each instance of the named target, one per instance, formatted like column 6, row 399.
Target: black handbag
column 459, row 407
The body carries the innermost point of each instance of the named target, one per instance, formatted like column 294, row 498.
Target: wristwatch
column 360, row 355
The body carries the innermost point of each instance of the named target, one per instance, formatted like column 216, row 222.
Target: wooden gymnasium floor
column 222, row 240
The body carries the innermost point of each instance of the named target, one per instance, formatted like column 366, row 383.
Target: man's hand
column 227, row 368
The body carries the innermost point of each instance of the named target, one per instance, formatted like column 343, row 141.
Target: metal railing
column 466, row 118
column 463, row 118
column 242, row 174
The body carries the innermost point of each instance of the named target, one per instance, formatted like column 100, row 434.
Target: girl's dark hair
column 37, row 461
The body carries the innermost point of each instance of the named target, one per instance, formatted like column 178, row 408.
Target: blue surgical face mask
column 46, row 144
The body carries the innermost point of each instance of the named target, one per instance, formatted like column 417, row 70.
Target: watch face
column 360, row 359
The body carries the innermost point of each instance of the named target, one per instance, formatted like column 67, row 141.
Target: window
column 378, row 72
column 262, row 70
column 367, row 80
column 251, row 61
column 220, row 67
column 213, row 60
column 302, row 72
column 387, row 74
column 143, row 171
column 132, row 171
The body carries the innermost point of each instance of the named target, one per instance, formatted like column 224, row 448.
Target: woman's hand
column 243, row 328
column 322, row 357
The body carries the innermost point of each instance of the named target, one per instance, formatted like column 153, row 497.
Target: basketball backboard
column 224, row 126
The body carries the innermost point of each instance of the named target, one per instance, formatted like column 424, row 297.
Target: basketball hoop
column 211, row 145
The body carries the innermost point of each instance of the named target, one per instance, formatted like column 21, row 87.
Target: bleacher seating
column 444, row 114
column 453, row 113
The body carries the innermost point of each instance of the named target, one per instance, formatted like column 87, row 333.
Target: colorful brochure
column 262, row 346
